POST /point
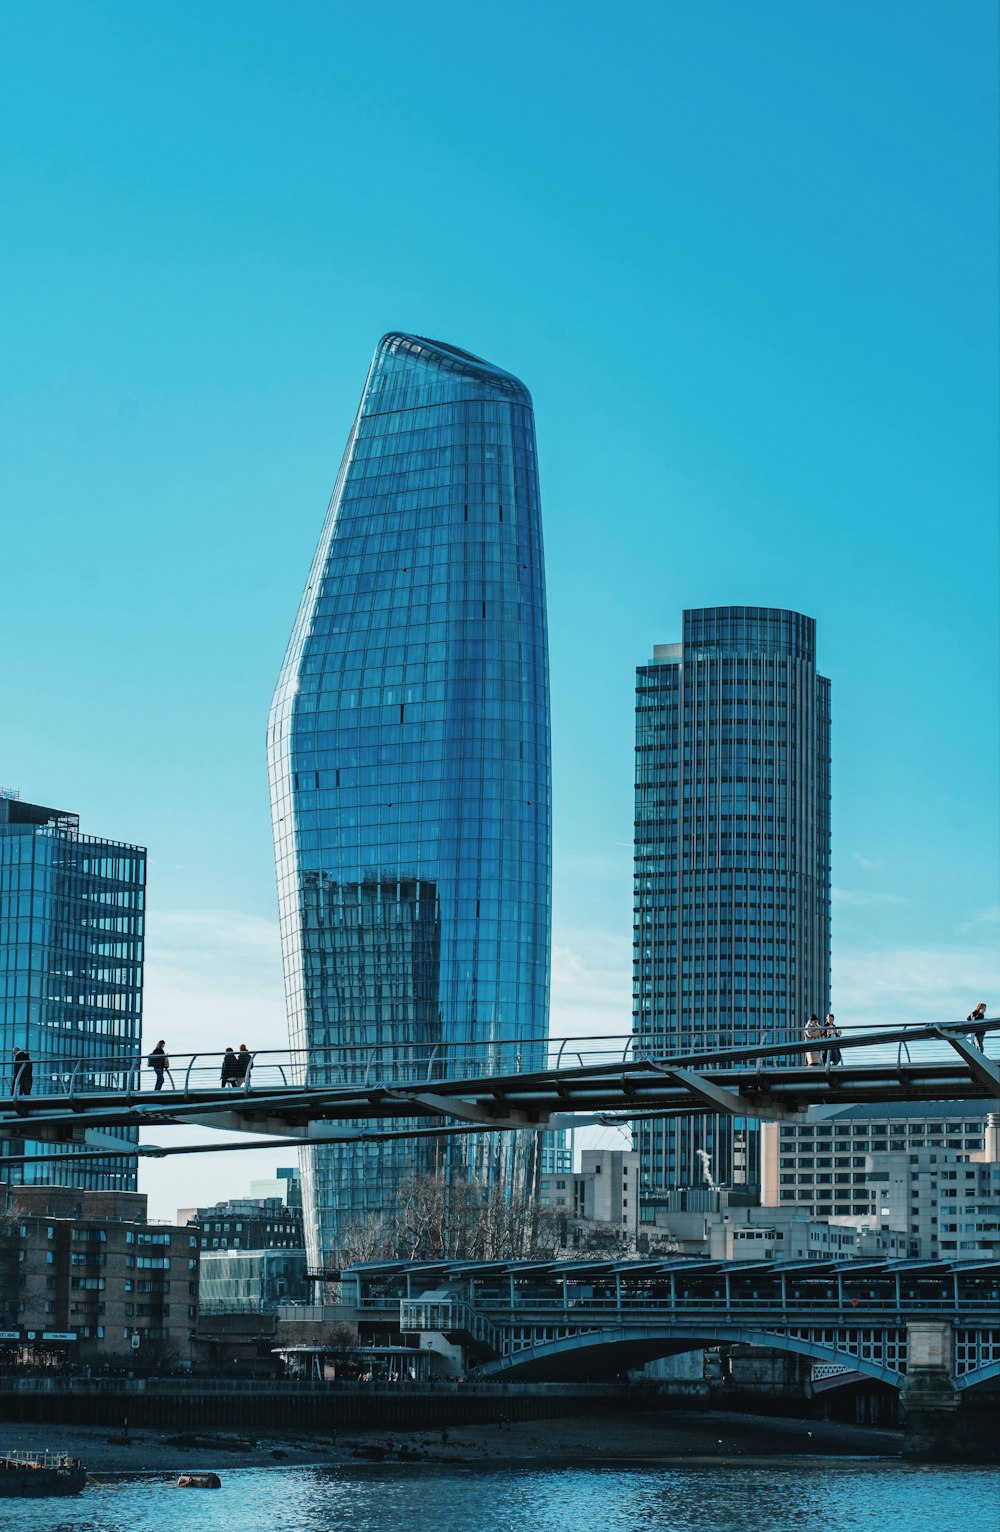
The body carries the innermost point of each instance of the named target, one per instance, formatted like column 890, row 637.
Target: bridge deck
column 348, row 1097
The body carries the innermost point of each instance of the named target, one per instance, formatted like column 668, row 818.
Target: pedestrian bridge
column 587, row 1320
column 341, row 1095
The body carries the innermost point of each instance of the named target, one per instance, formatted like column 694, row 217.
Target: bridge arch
column 983, row 1374
column 616, row 1347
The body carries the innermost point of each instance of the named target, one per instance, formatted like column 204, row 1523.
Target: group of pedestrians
column 826, row 1032
column 235, row 1068
column 235, row 1065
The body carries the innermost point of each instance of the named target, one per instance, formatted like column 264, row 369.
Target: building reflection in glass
column 408, row 748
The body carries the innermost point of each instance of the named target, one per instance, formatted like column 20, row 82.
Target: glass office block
column 408, row 748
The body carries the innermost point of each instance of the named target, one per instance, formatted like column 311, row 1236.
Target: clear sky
column 745, row 257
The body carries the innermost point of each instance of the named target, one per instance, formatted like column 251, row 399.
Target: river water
column 811, row 1495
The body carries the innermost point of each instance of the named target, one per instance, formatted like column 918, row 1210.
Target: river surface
column 812, row 1495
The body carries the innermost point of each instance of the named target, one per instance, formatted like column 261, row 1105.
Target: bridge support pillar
column 929, row 1398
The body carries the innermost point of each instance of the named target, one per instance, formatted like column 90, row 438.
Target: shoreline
column 661, row 1437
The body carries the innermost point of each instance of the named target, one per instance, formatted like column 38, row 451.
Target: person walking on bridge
column 831, row 1054
column 977, row 1037
column 813, row 1032
column 24, row 1073
column 243, row 1061
column 159, row 1063
column 230, row 1068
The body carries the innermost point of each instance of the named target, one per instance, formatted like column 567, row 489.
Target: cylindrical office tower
column 732, row 861
column 408, row 749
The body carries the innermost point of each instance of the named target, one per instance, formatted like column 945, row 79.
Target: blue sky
column 745, row 257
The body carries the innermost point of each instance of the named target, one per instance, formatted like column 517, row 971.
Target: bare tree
column 371, row 1238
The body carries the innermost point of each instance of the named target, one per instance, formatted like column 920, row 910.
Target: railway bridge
column 930, row 1329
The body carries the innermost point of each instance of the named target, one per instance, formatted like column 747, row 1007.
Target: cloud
column 988, row 916
column 860, row 898
column 591, row 984
column 213, row 979
column 914, row 984
column 869, row 863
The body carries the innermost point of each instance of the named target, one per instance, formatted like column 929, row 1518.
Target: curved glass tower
column 408, row 750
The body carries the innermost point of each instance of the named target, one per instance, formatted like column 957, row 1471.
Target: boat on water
column 40, row 1473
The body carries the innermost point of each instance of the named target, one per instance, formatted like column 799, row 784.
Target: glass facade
column 408, row 748
column 732, row 861
column 250, row 1281
column 72, row 912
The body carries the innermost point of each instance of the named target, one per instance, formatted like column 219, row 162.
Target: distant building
column 605, row 1190
column 246, row 1223
column 557, row 1152
column 710, row 1224
column 85, row 1276
column 252, row 1281
column 823, row 1167
column 72, row 912
column 944, row 1205
column 732, row 862
column 286, row 1185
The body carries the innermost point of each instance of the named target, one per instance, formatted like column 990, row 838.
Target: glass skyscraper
column 72, row 913
column 732, row 861
column 408, row 749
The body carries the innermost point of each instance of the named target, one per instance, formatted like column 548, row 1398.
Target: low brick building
column 86, row 1278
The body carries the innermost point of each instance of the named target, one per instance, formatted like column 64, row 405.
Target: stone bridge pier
column 929, row 1398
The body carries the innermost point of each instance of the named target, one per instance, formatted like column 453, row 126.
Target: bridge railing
column 379, row 1065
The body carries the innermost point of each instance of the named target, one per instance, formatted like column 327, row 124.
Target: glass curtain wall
column 732, row 861
column 72, row 913
column 408, row 747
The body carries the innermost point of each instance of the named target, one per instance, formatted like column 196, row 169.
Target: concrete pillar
column 929, row 1397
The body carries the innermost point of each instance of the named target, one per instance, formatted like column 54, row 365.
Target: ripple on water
column 817, row 1496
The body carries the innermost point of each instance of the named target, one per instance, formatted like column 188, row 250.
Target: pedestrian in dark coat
column 159, row 1063
column 244, row 1059
column 24, row 1073
column 977, row 1037
column 832, row 1054
column 230, row 1068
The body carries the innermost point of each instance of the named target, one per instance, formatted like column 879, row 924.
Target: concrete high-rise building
column 72, row 914
column 824, row 1166
column 408, row 748
column 732, row 861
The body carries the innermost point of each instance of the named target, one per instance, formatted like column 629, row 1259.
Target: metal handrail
column 412, row 1064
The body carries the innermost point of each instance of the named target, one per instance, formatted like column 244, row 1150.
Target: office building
column 286, row 1185
column 947, row 1206
column 72, row 912
column 605, row 1190
column 732, row 862
column 246, row 1223
column 408, row 747
column 556, row 1156
column 251, row 1281
column 823, row 1166
column 710, row 1225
